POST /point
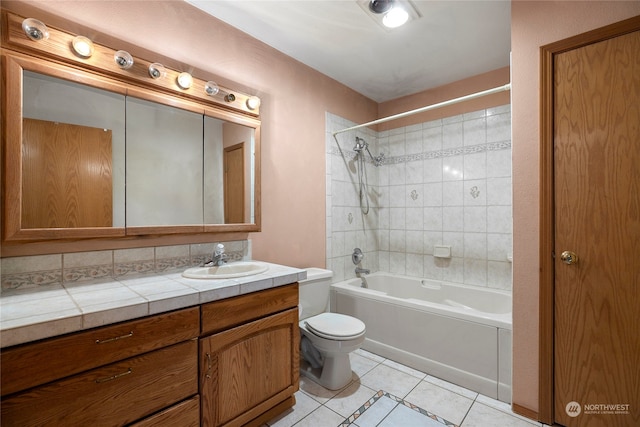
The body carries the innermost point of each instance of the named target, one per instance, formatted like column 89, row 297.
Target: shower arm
column 366, row 147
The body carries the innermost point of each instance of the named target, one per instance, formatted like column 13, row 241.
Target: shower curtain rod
column 429, row 107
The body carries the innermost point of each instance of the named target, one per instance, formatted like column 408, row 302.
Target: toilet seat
column 335, row 326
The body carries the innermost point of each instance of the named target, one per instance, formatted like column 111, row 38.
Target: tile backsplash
column 44, row 270
column 443, row 182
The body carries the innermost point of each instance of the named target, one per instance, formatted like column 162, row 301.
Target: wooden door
column 234, row 184
column 596, row 126
column 66, row 175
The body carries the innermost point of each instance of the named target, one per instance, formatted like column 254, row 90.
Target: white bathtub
column 458, row 333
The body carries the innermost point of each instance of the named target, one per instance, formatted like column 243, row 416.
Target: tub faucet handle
column 357, row 256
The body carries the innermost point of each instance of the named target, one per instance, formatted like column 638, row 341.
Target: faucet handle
column 357, row 256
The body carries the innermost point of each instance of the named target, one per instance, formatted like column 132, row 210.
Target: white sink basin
column 227, row 271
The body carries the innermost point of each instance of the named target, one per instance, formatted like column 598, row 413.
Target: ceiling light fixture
column 396, row 17
column 82, row 46
column 35, row 30
column 390, row 14
column 380, row 6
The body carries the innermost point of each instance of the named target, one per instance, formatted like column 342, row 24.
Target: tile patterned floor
column 384, row 393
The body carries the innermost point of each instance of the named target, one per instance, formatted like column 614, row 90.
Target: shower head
column 360, row 144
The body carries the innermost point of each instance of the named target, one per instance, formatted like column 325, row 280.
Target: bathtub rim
column 502, row 321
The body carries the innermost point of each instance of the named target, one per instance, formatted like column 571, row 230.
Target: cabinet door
column 247, row 370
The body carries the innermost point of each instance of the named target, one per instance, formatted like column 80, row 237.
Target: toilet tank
column 314, row 292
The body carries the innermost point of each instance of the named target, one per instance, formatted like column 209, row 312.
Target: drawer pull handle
column 113, row 377
column 209, row 366
column 130, row 334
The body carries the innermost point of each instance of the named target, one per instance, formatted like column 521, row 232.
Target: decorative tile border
column 31, row 279
column 155, row 261
column 437, row 154
column 90, row 272
column 381, row 393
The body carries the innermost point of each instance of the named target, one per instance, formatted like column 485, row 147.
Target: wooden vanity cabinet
column 109, row 376
column 232, row 362
column 249, row 370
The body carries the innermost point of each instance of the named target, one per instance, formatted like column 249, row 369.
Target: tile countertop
column 35, row 313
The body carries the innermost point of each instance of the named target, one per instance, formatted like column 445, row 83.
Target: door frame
column 547, row 196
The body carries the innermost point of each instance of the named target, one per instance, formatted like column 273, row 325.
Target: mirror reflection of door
column 66, row 175
column 234, row 184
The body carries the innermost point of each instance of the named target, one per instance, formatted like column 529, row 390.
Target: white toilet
column 326, row 339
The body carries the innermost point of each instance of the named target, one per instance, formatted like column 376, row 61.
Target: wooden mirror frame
column 53, row 57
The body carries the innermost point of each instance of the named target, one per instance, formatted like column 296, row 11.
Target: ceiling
column 452, row 40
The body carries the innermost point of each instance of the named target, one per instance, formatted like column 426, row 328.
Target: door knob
column 569, row 257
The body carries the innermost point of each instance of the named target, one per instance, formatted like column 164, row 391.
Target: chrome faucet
column 219, row 258
column 357, row 256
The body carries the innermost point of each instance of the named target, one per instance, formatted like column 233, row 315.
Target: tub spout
column 364, row 283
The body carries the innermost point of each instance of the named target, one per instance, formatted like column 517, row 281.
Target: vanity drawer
column 113, row 395
column 30, row 365
column 183, row 414
column 230, row 312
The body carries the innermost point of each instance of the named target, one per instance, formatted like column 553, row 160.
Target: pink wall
column 489, row 80
column 534, row 24
column 294, row 101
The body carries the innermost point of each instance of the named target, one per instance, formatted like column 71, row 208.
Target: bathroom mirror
column 88, row 156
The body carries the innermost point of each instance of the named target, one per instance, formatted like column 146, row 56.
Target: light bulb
column 35, row 30
column 185, row 80
column 211, row 88
column 395, row 17
column 253, row 102
column 82, row 46
column 123, row 59
column 157, row 70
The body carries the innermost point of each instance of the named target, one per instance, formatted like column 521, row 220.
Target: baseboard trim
column 525, row 412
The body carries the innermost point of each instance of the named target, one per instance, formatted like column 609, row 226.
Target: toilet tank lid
column 314, row 273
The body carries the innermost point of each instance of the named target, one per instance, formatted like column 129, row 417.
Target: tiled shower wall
column 443, row 182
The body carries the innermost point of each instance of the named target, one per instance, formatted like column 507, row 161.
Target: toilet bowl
column 326, row 338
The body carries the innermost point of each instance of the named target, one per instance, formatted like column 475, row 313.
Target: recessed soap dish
column 442, row 251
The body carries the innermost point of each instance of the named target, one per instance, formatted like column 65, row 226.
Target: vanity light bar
column 33, row 35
